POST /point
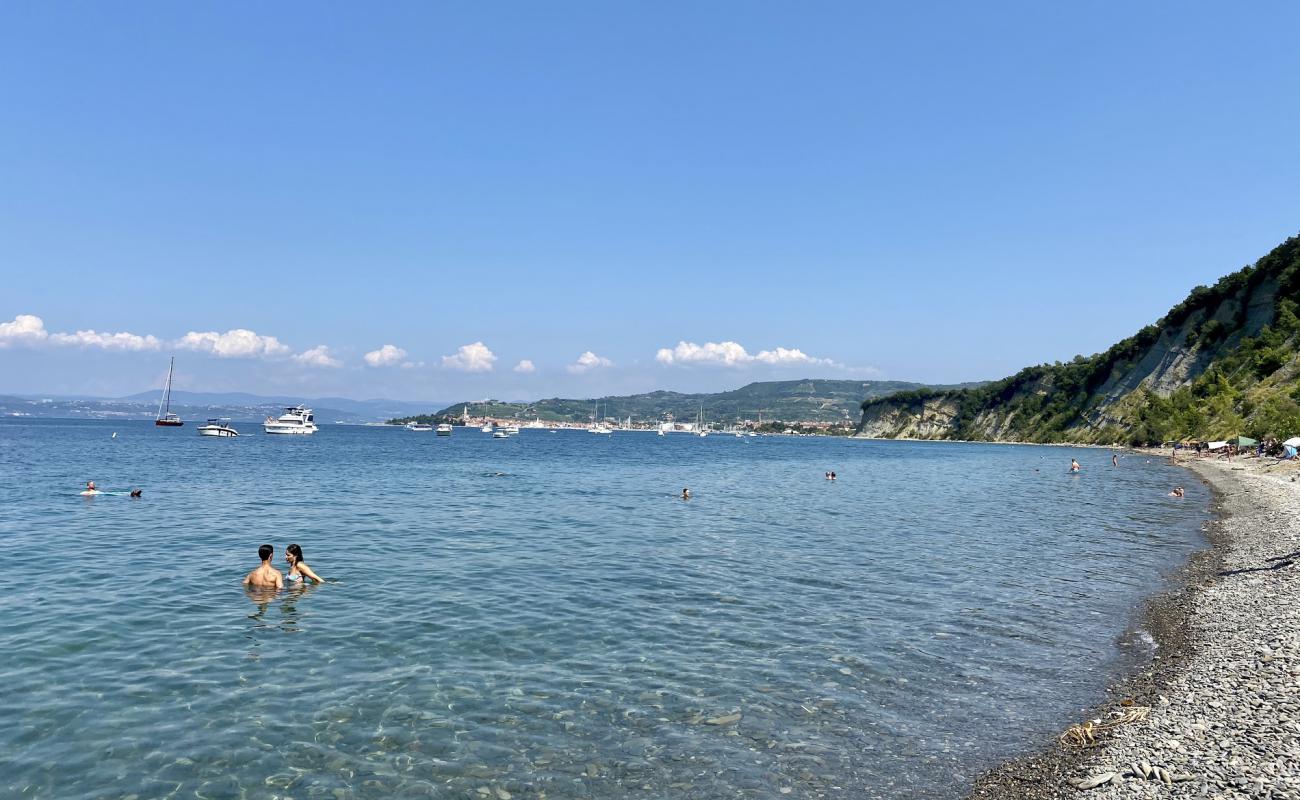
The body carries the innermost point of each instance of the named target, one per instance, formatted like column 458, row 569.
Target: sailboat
column 166, row 419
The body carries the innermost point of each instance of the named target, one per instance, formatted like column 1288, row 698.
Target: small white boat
column 295, row 420
column 661, row 431
column 486, row 429
column 218, row 426
column 598, row 428
column 444, row 429
column 422, row 427
column 500, row 433
column 512, row 429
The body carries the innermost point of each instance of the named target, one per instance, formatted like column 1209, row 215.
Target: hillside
column 1221, row 363
column 807, row 400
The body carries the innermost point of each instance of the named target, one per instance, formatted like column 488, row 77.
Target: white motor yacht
column 218, row 426
column 444, row 429
column 512, row 429
column 419, row 426
column 295, row 419
column 500, row 433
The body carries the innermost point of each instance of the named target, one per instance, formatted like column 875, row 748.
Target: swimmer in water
column 265, row 576
column 686, row 494
column 1074, row 465
column 1114, row 460
column 1177, row 492
column 90, row 491
column 298, row 569
column 137, row 492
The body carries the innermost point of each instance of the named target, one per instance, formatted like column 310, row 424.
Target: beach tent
column 1216, row 445
column 1294, row 441
column 1245, row 441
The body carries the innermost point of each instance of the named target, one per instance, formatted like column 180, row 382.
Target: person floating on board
column 265, row 576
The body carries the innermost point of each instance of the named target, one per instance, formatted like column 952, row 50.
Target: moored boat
column 294, row 420
column 421, row 427
column 219, row 427
column 166, row 419
column 444, row 429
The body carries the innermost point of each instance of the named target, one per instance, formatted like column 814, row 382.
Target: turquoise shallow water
column 541, row 615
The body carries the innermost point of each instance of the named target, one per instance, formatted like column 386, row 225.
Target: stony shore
column 1217, row 713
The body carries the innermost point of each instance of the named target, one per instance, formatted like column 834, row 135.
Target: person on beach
column 1074, row 465
column 298, row 569
column 686, row 494
column 265, row 576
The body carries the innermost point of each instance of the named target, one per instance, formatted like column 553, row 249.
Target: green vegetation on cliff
column 1220, row 363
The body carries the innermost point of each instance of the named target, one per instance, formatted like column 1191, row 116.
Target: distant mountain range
column 201, row 405
column 807, row 400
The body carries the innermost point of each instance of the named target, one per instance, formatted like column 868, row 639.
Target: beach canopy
column 1294, row 441
column 1244, row 441
column 1217, row 445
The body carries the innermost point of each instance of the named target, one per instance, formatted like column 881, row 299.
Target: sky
column 519, row 200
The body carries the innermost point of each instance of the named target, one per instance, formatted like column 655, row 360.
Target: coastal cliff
column 1221, row 363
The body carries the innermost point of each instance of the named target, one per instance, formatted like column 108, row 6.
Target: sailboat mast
column 167, row 393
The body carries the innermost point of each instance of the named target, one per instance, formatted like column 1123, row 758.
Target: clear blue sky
column 937, row 192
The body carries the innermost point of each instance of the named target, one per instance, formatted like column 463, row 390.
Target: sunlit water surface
column 543, row 615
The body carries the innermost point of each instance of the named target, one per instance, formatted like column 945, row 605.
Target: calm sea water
column 542, row 615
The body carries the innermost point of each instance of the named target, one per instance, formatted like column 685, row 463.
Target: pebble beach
column 1217, row 712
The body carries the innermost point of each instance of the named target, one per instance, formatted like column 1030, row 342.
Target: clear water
column 542, row 615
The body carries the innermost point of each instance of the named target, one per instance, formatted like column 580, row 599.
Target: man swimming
column 1074, row 465
column 686, row 494
column 265, row 576
column 90, row 491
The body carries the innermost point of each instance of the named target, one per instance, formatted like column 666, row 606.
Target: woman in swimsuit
column 298, row 569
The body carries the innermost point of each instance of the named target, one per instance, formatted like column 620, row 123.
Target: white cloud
column 108, row 341
column 731, row 354
column 525, row 366
column 386, row 356
column 29, row 329
column 587, row 362
column 474, row 357
column 237, row 343
column 25, row 329
column 318, row 356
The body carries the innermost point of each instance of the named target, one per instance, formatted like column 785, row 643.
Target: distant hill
column 201, row 405
column 807, row 400
column 1224, row 362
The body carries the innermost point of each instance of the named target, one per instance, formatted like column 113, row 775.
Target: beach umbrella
column 1244, row 441
column 1294, row 441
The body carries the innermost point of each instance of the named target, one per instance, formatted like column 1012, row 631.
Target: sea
column 544, row 616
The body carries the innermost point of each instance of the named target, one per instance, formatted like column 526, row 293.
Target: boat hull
column 293, row 430
column 221, row 433
column 168, row 423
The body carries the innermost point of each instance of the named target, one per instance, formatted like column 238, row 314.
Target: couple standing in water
column 267, row 576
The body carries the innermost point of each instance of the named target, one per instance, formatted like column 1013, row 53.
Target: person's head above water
column 293, row 553
column 90, row 484
column 265, row 552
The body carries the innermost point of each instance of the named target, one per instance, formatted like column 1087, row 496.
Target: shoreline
column 1223, row 686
